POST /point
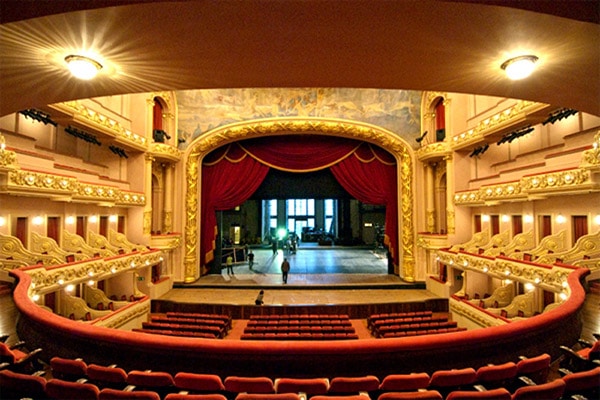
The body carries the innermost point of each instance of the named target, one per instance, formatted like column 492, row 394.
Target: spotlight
column 519, row 67
column 83, row 67
column 420, row 138
column 559, row 114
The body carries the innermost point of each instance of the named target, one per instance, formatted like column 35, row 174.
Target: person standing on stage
column 250, row 259
column 285, row 268
column 229, row 263
column 274, row 244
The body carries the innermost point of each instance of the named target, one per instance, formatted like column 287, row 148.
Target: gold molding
column 270, row 127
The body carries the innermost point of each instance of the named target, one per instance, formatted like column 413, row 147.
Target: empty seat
column 115, row 394
column 111, row 377
column 548, row 391
column 198, row 383
column 584, row 383
column 341, row 397
column 68, row 369
column 181, row 396
column 161, row 382
column 449, row 380
column 239, row 384
column 494, row 394
column 18, row 359
column 310, row 386
column 405, row 382
column 262, row 396
column 349, row 385
column 15, row 385
column 58, row 389
column 535, row 368
column 421, row 395
column 495, row 376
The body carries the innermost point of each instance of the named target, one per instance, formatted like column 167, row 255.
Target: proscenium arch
column 295, row 126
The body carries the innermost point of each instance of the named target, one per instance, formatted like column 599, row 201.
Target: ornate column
column 168, row 199
column 148, row 193
column 450, row 220
column 429, row 197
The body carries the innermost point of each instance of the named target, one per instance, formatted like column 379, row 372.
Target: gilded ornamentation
column 147, row 222
column 489, row 125
column 168, row 221
column 341, row 128
column 101, row 122
column 162, row 151
column 433, row 150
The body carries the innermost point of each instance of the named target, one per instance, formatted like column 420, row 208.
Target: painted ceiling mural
column 200, row 111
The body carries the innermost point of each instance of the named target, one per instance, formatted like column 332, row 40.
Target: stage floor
column 318, row 276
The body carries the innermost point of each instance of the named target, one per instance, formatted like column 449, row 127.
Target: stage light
column 281, row 233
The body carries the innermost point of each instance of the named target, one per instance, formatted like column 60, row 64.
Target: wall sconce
column 93, row 219
column 563, row 296
column 505, row 218
column 529, row 286
column 485, row 218
column 70, row 288
column 35, row 297
column 528, row 218
column 2, row 221
column 113, row 218
column 91, row 282
column 70, row 220
column 519, row 67
column 596, row 220
column 37, row 220
column 560, row 219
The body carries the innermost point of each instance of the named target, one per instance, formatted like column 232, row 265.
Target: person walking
column 285, row 268
column 229, row 263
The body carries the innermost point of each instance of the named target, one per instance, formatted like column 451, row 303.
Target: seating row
column 223, row 317
column 216, row 331
column 375, row 317
column 302, row 322
column 174, row 332
column 493, row 382
column 300, row 329
column 259, row 317
column 299, row 336
column 422, row 332
column 374, row 324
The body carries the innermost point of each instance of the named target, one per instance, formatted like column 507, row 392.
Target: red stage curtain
column 231, row 174
column 226, row 183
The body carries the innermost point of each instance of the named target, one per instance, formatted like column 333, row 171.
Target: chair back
column 405, row 382
column 115, row 394
column 535, row 368
column 421, row 395
column 68, row 369
column 198, row 382
column 548, row 391
column 310, row 386
column 113, row 377
column 18, row 386
column 351, row 385
column 238, row 384
column 494, row 394
column 58, row 389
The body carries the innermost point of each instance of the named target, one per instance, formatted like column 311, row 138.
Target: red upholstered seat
column 310, row 386
column 16, row 385
column 68, row 369
column 64, row 390
column 546, row 391
column 102, row 376
column 422, row 395
column 535, row 368
column 238, row 384
column 586, row 383
column 17, row 359
column 198, row 382
column 150, row 378
column 494, row 394
column 405, row 382
column 178, row 396
column 341, row 384
column 495, row 376
column 115, row 394
column 277, row 396
column 347, row 397
column 453, row 379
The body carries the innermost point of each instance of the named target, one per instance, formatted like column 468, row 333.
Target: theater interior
column 440, row 215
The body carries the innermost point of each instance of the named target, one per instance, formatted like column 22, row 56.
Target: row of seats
column 202, row 316
column 207, row 326
column 376, row 324
column 371, row 319
column 487, row 382
column 430, row 331
column 299, row 336
column 299, row 327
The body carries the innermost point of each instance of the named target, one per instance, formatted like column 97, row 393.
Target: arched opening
column 349, row 129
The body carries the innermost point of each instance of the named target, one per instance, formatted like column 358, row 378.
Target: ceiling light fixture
column 519, row 67
column 83, row 67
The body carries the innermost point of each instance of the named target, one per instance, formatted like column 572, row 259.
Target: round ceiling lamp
column 83, row 67
column 519, row 67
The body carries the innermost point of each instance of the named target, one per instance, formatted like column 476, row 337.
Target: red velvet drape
column 231, row 174
column 157, row 115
